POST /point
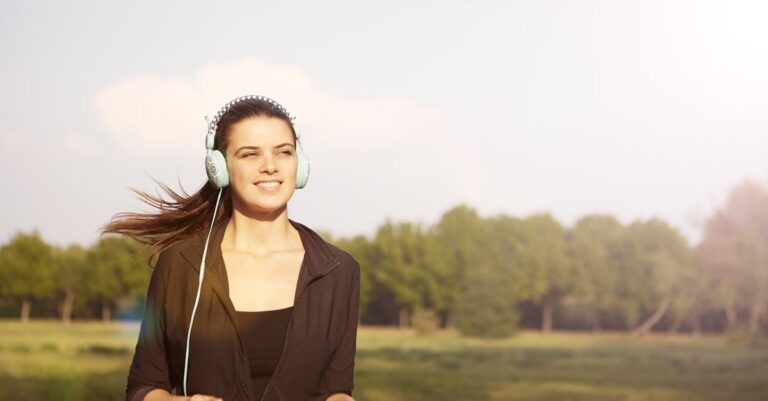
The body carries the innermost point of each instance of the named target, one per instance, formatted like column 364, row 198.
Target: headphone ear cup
column 216, row 167
column 302, row 172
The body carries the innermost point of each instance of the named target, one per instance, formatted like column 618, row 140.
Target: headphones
column 216, row 164
column 216, row 168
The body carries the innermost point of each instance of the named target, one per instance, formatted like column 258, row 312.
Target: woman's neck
column 259, row 234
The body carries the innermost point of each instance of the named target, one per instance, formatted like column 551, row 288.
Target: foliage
column 734, row 255
column 26, row 266
column 591, row 245
column 482, row 275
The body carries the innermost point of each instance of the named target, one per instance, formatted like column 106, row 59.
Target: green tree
column 26, row 264
column 590, row 245
column 459, row 235
column 654, row 262
column 505, row 248
column 545, row 261
column 116, row 269
column 438, row 279
column 734, row 255
column 481, row 271
column 69, row 266
column 486, row 310
column 363, row 251
column 402, row 269
column 495, row 281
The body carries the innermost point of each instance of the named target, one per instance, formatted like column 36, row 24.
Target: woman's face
column 262, row 163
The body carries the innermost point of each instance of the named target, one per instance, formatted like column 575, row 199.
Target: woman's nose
column 269, row 164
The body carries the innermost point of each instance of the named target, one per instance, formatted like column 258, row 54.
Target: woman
column 243, row 303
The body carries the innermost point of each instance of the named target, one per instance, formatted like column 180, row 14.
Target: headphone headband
column 214, row 123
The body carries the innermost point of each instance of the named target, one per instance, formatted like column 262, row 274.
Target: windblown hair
column 184, row 215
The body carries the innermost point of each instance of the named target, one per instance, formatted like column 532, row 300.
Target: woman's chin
column 262, row 206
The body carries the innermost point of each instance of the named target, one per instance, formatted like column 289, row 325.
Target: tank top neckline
column 265, row 311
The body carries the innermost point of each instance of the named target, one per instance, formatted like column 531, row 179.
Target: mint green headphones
column 216, row 164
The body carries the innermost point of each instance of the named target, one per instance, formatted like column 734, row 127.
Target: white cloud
column 16, row 147
column 153, row 112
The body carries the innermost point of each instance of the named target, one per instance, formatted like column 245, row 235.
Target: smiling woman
column 277, row 318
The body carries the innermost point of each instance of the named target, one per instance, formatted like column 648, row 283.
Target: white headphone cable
column 199, row 286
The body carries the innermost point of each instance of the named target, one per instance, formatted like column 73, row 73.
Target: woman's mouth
column 269, row 186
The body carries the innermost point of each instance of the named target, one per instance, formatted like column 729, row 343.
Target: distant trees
column 115, row 269
column 31, row 270
column 549, row 271
column 734, row 257
column 481, row 275
column 69, row 276
column 410, row 265
column 640, row 275
column 358, row 246
column 593, row 251
column 26, row 267
column 485, row 289
column 654, row 264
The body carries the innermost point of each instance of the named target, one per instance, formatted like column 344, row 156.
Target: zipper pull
column 245, row 390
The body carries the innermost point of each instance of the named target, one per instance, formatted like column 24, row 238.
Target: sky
column 638, row 109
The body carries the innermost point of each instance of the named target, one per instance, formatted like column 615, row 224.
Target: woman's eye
column 285, row 152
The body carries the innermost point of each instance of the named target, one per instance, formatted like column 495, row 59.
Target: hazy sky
column 633, row 108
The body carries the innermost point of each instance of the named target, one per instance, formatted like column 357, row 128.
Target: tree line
column 485, row 276
column 72, row 280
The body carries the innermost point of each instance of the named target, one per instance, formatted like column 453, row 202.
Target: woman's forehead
column 261, row 131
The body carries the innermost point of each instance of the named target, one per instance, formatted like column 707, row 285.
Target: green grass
column 84, row 361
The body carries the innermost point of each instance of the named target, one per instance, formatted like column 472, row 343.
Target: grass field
column 89, row 361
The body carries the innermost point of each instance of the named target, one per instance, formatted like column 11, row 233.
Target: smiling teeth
column 268, row 184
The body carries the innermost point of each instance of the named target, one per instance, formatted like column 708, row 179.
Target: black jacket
column 319, row 353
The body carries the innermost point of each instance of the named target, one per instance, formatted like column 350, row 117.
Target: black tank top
column 264, row 335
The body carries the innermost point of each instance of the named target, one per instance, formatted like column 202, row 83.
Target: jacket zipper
column 285, row 343
column 245, row 390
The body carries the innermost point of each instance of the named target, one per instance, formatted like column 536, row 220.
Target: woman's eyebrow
column 256, row 147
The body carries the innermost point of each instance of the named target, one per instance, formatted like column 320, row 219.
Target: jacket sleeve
column 149, row 368
column 339, row 377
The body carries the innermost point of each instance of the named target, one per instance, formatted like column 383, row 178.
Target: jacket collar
column 319, row 259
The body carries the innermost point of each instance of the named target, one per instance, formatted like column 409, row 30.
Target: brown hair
column 185, row 215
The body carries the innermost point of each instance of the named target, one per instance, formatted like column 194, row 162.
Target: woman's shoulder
column 172, row 251
column 348, row 263
column 168, row 257
column 345, row 258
